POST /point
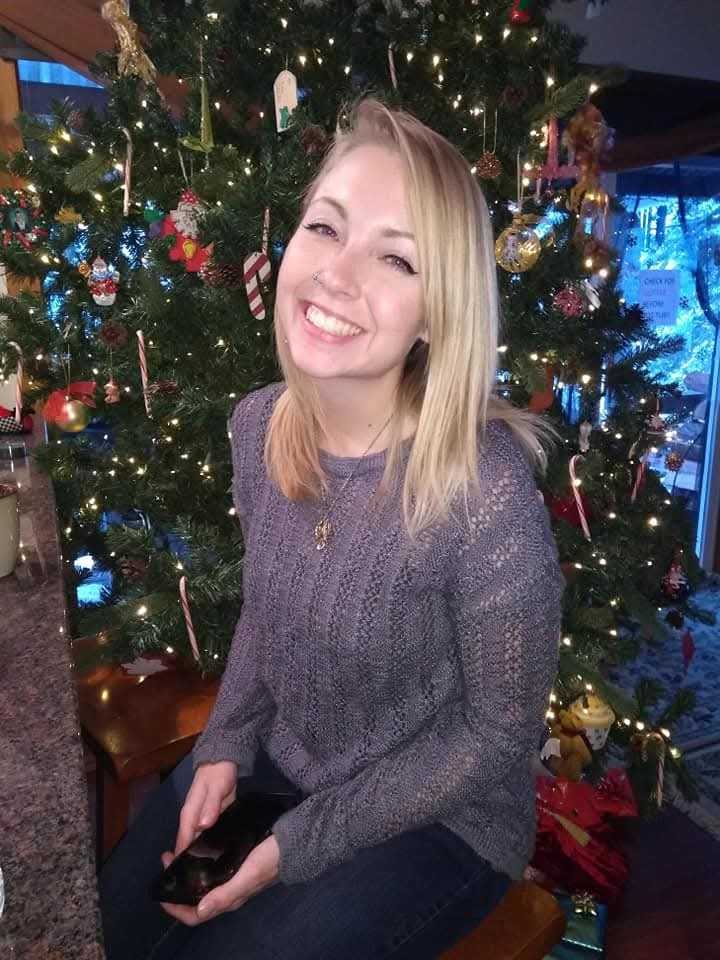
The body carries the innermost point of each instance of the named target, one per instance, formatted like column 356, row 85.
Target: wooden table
column 136, row 724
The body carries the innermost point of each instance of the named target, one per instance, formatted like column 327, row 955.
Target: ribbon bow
column 584, row 904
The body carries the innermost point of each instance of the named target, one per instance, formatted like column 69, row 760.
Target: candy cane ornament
column 143, row 370
column 660, row 740
column 256, row 267
column 578, row 498
column 188, row 618
column 18, row 382
column 639, row 477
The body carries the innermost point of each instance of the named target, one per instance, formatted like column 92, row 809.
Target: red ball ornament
column 521, row 13
column 569, row 302
column 566, row 508
column 673, row 462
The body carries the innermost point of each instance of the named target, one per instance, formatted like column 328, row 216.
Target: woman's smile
column 325, row 327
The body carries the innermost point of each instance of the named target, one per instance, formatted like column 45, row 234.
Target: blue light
column 55, row 304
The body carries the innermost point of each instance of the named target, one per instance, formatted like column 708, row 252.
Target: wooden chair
column 526, row 925
column 136, row 726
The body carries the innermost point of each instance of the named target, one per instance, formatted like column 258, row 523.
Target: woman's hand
column 212, row 790
column 259, row 870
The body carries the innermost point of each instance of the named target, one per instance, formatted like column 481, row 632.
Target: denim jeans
column 409, row 898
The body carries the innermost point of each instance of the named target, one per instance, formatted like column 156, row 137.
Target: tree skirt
column 704, row 765
column 664, row 662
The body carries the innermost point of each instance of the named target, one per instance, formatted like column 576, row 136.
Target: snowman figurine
column 103, row 282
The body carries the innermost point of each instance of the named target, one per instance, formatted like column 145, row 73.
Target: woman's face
column 356, row 237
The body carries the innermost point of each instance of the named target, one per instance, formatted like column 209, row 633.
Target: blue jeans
column 409, row 898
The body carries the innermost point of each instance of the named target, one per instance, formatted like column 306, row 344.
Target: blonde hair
column 447, row 384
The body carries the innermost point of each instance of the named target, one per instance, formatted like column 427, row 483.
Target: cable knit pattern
column 395, row 684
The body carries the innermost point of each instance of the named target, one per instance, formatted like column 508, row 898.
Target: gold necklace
column 323, row 528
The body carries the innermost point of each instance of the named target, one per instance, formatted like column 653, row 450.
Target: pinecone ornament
column 133, row 568
column 488, row 166
column 228, row 275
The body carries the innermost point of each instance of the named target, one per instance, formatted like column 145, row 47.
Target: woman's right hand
column 212, row 790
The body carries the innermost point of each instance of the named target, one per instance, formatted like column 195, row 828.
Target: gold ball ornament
column 75, row 416
column 518, row 247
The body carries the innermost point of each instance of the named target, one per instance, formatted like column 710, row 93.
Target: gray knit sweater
column 395, row 685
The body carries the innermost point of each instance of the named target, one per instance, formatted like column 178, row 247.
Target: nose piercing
column 316, row 277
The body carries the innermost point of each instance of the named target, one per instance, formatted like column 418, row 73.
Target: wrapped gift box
column 585, row 934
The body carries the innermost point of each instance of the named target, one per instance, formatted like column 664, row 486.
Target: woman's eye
column 400, row 263
column 322, row 228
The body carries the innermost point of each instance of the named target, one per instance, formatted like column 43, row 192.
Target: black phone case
column 218, row 852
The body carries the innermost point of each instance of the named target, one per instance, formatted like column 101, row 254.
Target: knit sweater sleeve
column 504, row 600
column 243, row 706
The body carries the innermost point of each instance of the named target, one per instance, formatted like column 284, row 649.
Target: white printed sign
column 659, row 296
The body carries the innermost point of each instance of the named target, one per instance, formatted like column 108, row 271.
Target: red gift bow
column 81, row 390
column 577, row 844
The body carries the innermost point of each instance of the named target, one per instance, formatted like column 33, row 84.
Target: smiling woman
column 397, row 678
column 386, row 319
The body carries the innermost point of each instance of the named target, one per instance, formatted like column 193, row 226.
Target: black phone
column 218, row 852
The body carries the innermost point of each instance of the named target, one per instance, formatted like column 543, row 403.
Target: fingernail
column 205, row 910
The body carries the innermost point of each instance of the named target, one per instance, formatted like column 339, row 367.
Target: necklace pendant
column 323, row 532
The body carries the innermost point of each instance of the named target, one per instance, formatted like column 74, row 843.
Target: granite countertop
column 46, row 847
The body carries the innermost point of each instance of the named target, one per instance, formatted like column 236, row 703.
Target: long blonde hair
column 447, row 384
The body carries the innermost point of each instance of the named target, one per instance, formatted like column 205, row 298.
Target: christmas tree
column 154, row 231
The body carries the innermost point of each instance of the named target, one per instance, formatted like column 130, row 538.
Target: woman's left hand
column 258, row 871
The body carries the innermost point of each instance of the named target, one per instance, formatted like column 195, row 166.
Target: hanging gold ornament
column 518, row 247
column 132, row 59
column 74, row 417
